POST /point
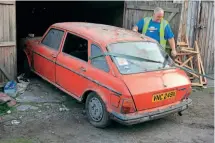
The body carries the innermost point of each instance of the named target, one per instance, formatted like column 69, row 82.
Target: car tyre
column 96, row 111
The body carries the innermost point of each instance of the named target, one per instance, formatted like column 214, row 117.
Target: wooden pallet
column 190, row 58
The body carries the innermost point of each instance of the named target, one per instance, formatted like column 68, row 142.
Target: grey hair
column 158, row 9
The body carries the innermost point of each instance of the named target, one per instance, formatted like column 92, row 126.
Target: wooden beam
column 171, row 16
column 198, row 61
column 182, row 44
column 188, row 71
column 4, row 71
column 197, row 84
column 131, row 6
column 187, row 61
column 7, row 2
column 2, row 84
column 184, row 54
column 194, row 52
column 7, row 44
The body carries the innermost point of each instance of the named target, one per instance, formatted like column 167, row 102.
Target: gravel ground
column 47, row 115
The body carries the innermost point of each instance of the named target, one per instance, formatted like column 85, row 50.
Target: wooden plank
column 204, row 80
column 124, row 15
column 190, row 72
column 209, row 49
column 2, row 84
column 182, row 44
column 171, row 16
column 187, row 61
column 1, row 22
column 197, row 84
column 7, row 44
column 129, row 6
column 5, row 72
column 211, row 43
column 205, row 31
column 184, row 21
column 184, row 50
column 198, row 61
column 183, row 54
column 7, row 2
column 184, row 65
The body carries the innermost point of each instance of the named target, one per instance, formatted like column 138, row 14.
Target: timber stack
column 190, row 58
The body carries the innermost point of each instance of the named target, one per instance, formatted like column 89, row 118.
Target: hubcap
column 95, row 109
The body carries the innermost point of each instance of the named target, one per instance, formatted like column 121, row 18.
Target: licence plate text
column 163, row 96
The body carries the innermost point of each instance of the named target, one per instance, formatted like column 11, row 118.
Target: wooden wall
column 200, row 27
column 7, row 40
column 135, row 10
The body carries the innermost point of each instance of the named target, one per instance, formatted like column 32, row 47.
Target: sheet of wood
column 4, row 71
column 198, row 61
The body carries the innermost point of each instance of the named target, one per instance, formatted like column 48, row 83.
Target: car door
column 72, row 65
column 46, row 52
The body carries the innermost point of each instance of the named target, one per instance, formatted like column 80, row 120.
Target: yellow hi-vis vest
column 163, row 25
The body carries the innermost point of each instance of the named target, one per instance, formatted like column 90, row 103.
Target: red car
column 117, row 73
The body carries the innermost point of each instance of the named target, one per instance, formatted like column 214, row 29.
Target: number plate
column 163, row 96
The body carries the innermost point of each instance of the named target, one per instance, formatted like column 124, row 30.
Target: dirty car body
column 129, row 89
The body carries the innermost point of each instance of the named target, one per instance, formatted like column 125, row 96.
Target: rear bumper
column 138, row 117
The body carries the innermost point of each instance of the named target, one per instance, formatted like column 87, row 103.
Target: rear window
column 147, row 50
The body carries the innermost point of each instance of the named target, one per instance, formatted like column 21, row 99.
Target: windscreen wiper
column 149, row 60
column 185, row 69
column 125, row 56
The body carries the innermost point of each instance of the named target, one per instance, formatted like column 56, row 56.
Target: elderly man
column 157, row 28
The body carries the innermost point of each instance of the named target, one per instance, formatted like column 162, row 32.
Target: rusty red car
column 117, row 73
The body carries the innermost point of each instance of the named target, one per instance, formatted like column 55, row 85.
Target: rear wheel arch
column 101, row 95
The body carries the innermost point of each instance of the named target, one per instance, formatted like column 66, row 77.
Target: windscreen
column 146, row 50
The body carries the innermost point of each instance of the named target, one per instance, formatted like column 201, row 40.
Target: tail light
column 189, row 91
column 128, row 106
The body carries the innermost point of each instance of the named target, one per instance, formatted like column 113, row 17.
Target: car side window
column 53, row 38
column 76, row 47
column 99, row 62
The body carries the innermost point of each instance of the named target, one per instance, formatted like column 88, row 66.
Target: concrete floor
column 47, row 115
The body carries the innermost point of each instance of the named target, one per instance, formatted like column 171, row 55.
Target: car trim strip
column 88, row 78
column 44, row 56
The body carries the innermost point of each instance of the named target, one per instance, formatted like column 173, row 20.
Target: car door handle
column 83, row 69
column 54, row 55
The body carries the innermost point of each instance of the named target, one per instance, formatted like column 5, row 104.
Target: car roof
column 100, row 33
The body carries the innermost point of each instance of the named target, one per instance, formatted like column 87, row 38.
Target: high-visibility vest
column 163, row 25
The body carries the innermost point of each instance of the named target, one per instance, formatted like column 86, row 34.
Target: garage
column 36, row 17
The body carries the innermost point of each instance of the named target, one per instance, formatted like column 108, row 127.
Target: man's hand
column 135, row 29
column 174, row 53
column 172, row 45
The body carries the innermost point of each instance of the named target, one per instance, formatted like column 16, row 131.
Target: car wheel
column 96, row 111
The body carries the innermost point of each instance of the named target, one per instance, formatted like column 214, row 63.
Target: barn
column 18, row 19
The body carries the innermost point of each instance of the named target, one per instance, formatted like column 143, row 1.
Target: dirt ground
column 47, row 115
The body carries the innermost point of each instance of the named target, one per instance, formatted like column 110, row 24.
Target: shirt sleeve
column 140, row 24
column 168, row 33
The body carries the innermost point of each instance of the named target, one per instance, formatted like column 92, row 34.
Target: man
column 157, row 28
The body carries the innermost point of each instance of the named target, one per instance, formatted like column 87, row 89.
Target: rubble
column 4, row 98
column 15, row 122
column 22, row 84
column 64, row 108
